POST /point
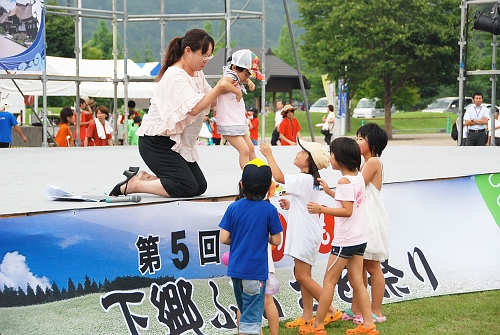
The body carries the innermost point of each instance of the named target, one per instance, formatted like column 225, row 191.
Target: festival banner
column 157, row 268
column 22, row 36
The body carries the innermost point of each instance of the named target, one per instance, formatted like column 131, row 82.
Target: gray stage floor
column 93, row 172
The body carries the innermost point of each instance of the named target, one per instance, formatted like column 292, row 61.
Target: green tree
column 59, row 34
column 39, row 295
column 30, row 295
column 390, row 43
column 71, row 288
column 101, row 43
column 55, row 291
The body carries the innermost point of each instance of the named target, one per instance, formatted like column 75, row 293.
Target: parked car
column 370, row 108
column 448, row 104
column 320, row 106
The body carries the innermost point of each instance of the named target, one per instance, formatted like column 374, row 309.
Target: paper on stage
column 56, row 193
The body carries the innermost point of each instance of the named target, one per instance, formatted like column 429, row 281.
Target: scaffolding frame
column 77, row 12
column 122, row 16
column 463, row 72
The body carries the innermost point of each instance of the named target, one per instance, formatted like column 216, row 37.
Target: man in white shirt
column 277, row 120
column 476, row 118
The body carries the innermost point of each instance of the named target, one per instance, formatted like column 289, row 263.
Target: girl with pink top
column 232, row 121
column 349, row 242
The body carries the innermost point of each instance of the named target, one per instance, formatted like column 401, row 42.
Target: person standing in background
column 253, row 124
column 7, row 122
column 64, row 137
column 85, row 119
column 329, row 124
column 289, row 128
column 277, row 120
column 476, row 118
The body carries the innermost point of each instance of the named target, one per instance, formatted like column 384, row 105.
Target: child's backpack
column 454, row 132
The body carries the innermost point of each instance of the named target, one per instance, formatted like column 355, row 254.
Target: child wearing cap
column 231, row 112
column 304, row 231
column 248, row 237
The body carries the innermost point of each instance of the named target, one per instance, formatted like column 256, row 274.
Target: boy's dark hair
column 346, row 152
column 137, row 119
column 375, row 136
column 65, row 113
column 249, row 194
column 82, row 101
column 330, row 108
column 103, row 109
column 131, row 104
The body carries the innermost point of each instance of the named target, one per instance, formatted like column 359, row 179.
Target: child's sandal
column 372, row 330
column 329, row 318
column 308, row 329
column 298, row 322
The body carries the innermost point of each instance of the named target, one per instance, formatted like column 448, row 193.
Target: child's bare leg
column 304, row 277
column 240, row 144
column 330, row 281
column 355, row 309
column 377, row 285
column 272, row 315
column 355, row 270
column 251, row 147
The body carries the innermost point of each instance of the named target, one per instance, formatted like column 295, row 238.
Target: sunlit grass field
column 414, row 122
column 458, row 314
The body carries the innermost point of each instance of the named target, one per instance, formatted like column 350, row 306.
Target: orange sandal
column 372, row 330
column 329, row 318
column 308, row 329
column 298, row 322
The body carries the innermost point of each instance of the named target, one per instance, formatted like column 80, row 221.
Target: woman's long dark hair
column 196, row 39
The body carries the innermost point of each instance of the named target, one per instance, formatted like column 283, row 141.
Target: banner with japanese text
column 156, row 269
column 22, row 36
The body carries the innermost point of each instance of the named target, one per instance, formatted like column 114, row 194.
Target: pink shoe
column 359, row 319
column 348, row 315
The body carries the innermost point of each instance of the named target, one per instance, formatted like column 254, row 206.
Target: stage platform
column 92, row 172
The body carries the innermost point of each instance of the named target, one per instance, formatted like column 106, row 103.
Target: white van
column 370, row 108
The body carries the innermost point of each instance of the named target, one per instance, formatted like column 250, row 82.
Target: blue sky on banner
column 32, row 59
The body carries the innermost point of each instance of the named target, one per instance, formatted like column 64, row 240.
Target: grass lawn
column 458, row 314
column 414, row 122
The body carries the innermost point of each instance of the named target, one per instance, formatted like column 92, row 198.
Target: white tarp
column 59, row 66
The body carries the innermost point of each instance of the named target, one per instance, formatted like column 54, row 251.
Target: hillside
column 146, row 35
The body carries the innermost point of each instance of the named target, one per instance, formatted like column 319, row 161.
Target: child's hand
column 239, row 95
column 284, row 204
column 313, row 208
column 266, row 150
column 251, row 85
column 323, row 184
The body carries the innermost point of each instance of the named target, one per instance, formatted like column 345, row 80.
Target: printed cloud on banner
column 14, row 272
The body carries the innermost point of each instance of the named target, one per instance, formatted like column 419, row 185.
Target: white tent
column 58, row 66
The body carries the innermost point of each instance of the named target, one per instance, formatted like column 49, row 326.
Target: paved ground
column 433, row 139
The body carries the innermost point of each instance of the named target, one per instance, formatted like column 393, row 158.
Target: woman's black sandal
column 116, row 191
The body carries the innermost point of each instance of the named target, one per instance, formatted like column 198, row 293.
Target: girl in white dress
column 372, row 140
column 304, row 231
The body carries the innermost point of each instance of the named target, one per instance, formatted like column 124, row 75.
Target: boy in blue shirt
column 248, row 225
